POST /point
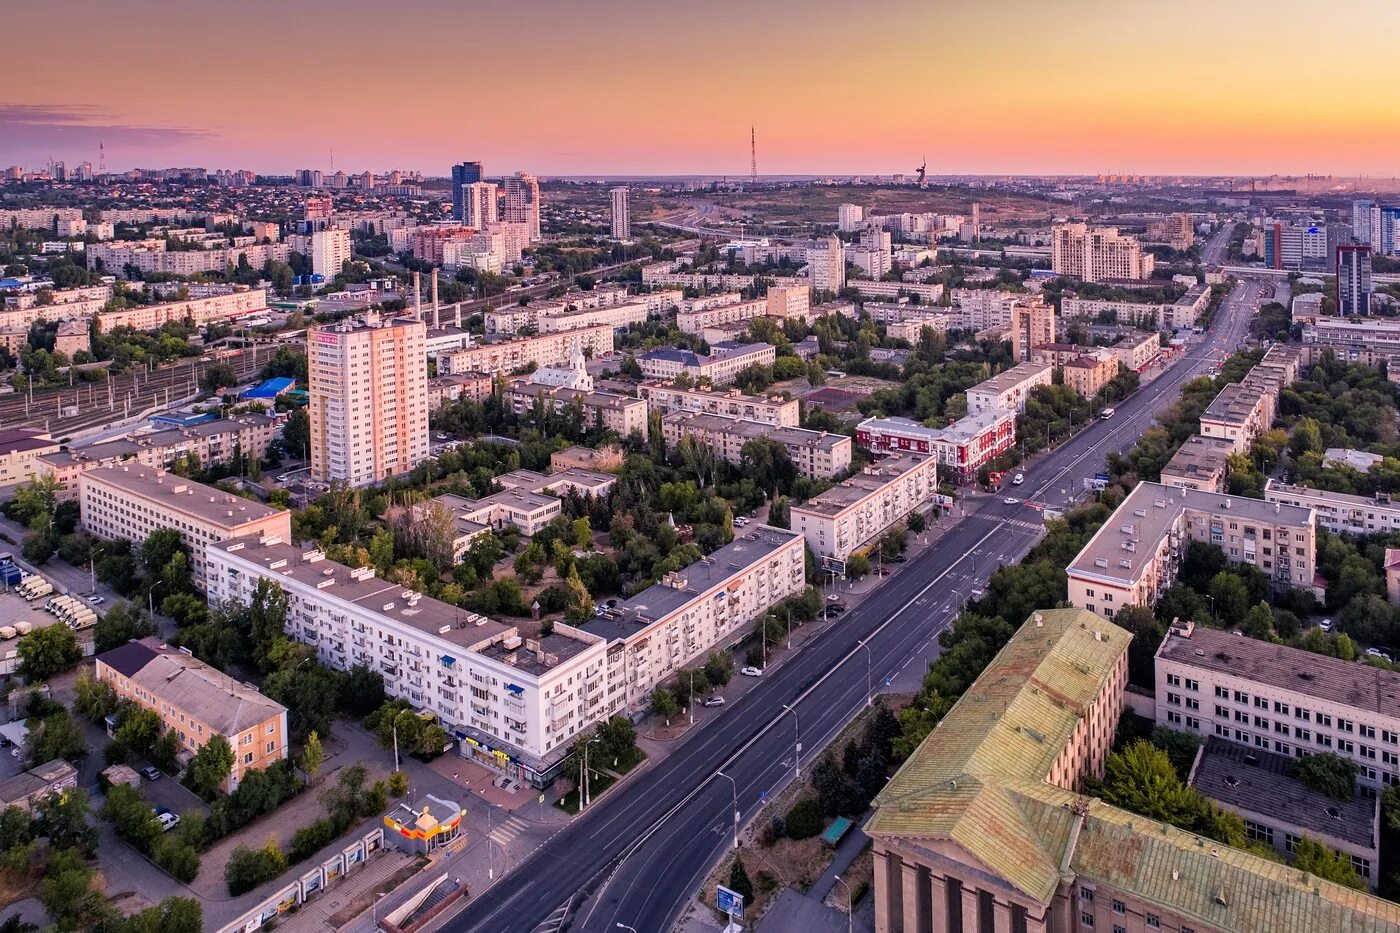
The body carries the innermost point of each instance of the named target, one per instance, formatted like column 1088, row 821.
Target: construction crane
column 923, row 174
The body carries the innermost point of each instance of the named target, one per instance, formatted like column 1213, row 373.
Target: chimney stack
column 418, row 295
column 435, row 297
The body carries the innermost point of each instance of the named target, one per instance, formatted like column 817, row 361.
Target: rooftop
column 1234, row 404
column 191, row 686
column 722, row 424
column 1332, row 680
column 1200, row 458
column 169, row 491
column 1122, row 548
column 1274, row 489
column 752, row 546
column 1013, row 377
column 1248, row 779
column 850, row 491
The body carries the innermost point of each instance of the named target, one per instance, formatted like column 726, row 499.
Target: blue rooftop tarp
column 269, row 389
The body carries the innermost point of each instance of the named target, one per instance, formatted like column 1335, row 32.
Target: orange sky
column 602, row 86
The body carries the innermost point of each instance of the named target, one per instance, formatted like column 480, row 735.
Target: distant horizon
column 666, row 89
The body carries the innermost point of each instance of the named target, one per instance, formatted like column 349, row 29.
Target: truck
column 10, row 575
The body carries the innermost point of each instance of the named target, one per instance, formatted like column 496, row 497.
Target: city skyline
column 1020, row 89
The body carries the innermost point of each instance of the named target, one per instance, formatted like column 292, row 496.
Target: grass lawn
column 598, row 782
column 630, row 761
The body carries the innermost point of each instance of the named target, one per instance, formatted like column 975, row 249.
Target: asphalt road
column 638, row 855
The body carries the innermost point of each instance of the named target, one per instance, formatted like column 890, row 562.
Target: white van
column 1107, row 413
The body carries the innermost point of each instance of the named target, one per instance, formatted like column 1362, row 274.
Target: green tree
column 121, row 623
column 93, row 698
column 1327, row 863
column 1327, row 773
column 1258, row 622
column 139, row 730
column 739, row 881
column 46, row 651
column 131, row 816
column 663, row 703
column 857, row 566
column 216, row 377
column 582, row 532
column 1141, row 779
column 312, row 756
column 1231, row 597
column 211, row 765
column 1306, row 437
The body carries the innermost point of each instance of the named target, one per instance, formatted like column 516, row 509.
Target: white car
column 752, row 672
column 1379, row 653
column 1011, row 500
column 168, row 821
column 1018, row 479
column 1325, row 625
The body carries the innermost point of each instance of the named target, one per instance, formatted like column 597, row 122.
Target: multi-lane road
column 638, row 855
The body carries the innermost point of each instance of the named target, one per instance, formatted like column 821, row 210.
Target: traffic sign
column 729, row 902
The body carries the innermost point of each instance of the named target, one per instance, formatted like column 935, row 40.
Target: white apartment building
column 694, row 317
column 979, row 309
column 929, row 293
column 151, row 256
column 514, row 703
column 1096, row 254
column 479, row 205
column 850, row 218
column 1133, row 558
column 665, row 275
column 1338, row 512
column 790, row 301
column 665, row 397
column 621, row 414
column 508, row 354
column 201, row 311
column 329, row 251
column 1286, row 700
column 130, row 501
column 621, row 213
column 719, row 366
column 858, row 510
column 1008, row 391
column 695, row 610
column 1239, row 414
column 616, row 316
column 826, row 265
column 369, row 398
column 522, row 203
column 816, row 454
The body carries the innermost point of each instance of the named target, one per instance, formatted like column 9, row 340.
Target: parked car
column 883, row 571
column 1379, row 653
column 714, row 701
column 899, row 558
column 1325, row 625
column 168, row 821
column 751, row 672
column 1107, row 413
column 97, row 600
column 150, row 773
column 1018, row 479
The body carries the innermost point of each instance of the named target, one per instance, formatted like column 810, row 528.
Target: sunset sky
column 567, row 87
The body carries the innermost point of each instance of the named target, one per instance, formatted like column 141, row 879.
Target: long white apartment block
column 491, row 688
column 857, row 511
column 129, row 501
column 1339, row 512
column 1008, row 391
column 667, row 397
column 200, row 310
column 816, row 454
column 1286, row 700
column 507, row 354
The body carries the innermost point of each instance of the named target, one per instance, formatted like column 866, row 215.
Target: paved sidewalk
column 846, row 853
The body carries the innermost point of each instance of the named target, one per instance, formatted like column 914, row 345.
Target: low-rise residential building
column 1279, row 810
column 620, row 414
column 197, row 702
column 667, row 397
column 816, row 454
column 1133, row 558
column 130, row 501
column 718, row 367
column 929, row 293
column 618, row 317
column 678, row 621
column 1237, row 415
column 983, row 827
column 1277, row 698
column 1008, row 391
column 508, row 355
column 20, row 453
column 1338, row 512
column 1089, row 373
column 527, row 512
column 695, row 316
column 201, row 311
column 474, row 387
column 861, row 508
column 1137, row 352
column 1359, row 460
column 573, row 480
column 513, row 703
column 1200, row 463
column 962, row 448
column 72, row 337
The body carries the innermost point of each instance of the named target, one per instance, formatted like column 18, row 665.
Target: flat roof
column 852, row 490
column 1148, row 514
column 1013, row 377
column 1199, row 457
column 1258, row 781
column 723, row 424
column 1275, row 488
column 205, row 503
column 1323, row 678
column 753, row 546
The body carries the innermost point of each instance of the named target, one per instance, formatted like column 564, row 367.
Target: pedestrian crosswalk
column 507, row 830
column 1014, row 522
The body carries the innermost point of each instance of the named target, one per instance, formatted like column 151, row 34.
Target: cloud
column 34, row 127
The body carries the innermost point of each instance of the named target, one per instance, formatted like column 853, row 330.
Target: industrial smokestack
column 435, row 299
column 418, row 295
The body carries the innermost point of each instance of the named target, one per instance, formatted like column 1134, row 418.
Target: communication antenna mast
column 753, row 155
column 102, row 158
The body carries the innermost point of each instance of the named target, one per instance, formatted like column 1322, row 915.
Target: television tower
column 753, row 155
column 101, row 158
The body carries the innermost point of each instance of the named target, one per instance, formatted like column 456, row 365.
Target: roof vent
column 1232, row 781
column 1039, row 620
column 1335, row 813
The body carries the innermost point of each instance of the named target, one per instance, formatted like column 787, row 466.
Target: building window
column 1086, row 920
column 1259, row 832
column 1086, row 895
column 1154, row 921
column 1173, row 717
column 1119, row 907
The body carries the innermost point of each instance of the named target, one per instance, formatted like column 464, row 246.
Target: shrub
column 398, row 783
column 805, row 820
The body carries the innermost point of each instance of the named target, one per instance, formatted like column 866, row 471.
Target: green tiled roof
column 1011, row 724
column 980, row 780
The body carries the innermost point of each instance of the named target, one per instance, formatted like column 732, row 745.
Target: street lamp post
column 869, row 670
column 587, row 784
column 623, row 926
column 374, row 912
column 734, row 790
column 151, row 598
column 796, row 743
column 850, row 908
column 789, row 623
